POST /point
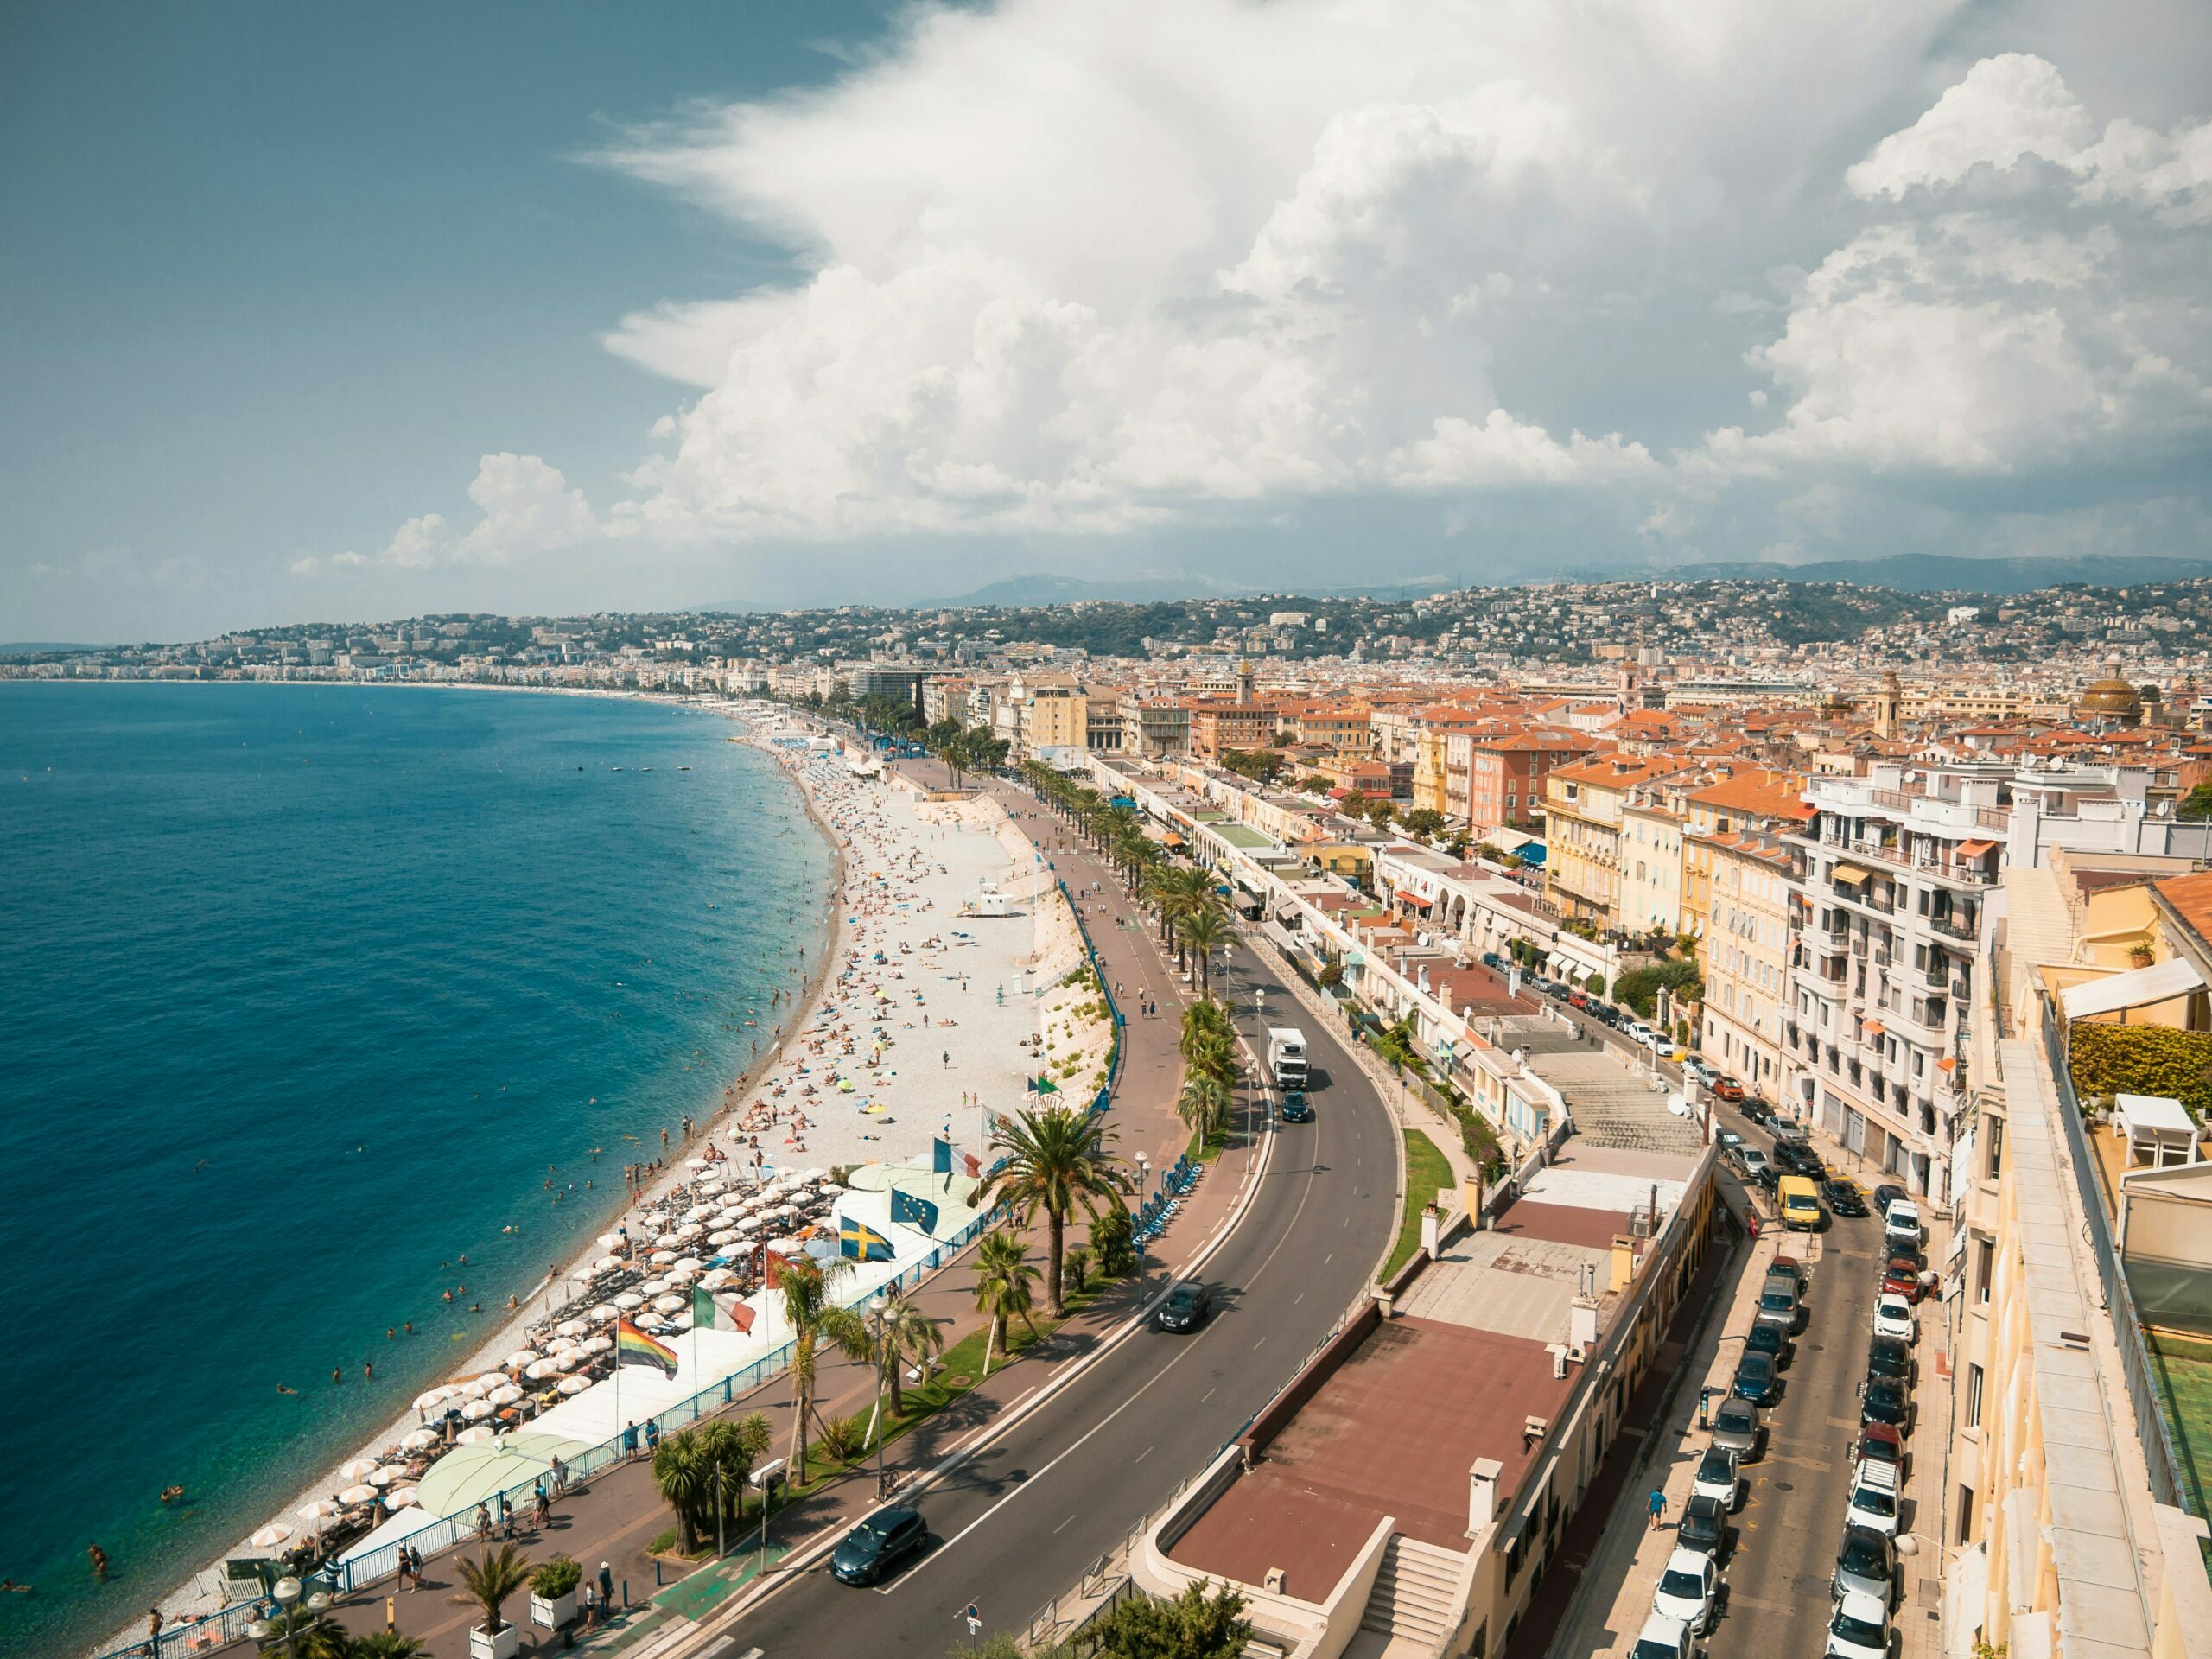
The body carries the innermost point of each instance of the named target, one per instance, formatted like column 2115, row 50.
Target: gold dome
column 2110, row 698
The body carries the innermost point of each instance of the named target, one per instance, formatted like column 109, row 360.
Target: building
column 1505, row 772
column 1582, row 809
column 1153, row 726
column 1651, row 837
column 1218, row 727
column 1054, row 714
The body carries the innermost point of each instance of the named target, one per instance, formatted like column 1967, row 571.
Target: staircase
column 1415, row 1596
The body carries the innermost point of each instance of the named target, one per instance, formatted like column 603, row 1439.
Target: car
column 1893, row 1318
column 1865, row 1565
column 1185, row 1308
column 1704, row 1526
column 1785, row 1262
column 1638, row 1032
column 1756, row 1164
column 1697, row 1068
column 1879, row 1443
column 1689, row 1589
column 1901, row 1225
column 1797, row 1159
column 1491, row 959
column 878, row 1544
column 1673, row 1053
column 1728, row 1089
column 1736, row 1427
column 1873, row 1501
column 1886, row 1400
column 1577, row 999
column 1295, row 1108
column 1889, row 1360
column 1770, row 1340
column 1716, row 1477
column 1901, row 1277
column 1778, row 1303
column 1756, row 1380
column 1605, row 1013
column 1661, row 1637
column 1843, row 1197
column 1727, row 1140
column 1885, row 1195
column 1859, row 1629
column 1757, row 1108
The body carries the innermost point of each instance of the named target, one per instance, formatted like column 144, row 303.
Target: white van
column 1901, row 1225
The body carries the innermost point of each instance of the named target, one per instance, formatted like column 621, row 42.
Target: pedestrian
column 630, row 1442
column 415, row 1563
column 1658, row 1506
column 153, row 1631
column 652, row 1436
column 483, row 1524
column 606, row 1585
column 975, row 1618
column 591, row 1605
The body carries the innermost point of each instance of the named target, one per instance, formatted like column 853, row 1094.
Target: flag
column 974, row 1166
column 633, row 1347
column 911, row 1211
column 859, row 1240
column 713, row 1312
column 940, row 1155
column 772, row 1268
column 1046, row 1086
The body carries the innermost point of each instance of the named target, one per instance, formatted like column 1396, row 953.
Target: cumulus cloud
column 524, row 506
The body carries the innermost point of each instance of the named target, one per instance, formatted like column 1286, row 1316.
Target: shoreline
column 187, row 1597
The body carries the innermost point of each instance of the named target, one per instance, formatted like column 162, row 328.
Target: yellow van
column 1800, row 1202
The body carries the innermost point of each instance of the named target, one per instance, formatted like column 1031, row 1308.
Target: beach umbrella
column 607, row 1264
column 404, row 1497
column 670, row 1303
column 476, row 1410
column 321, row 1510
column 682, row 1321
column 573, row 1384
column 359, row 1469
column 715, row 1278
column 650, row 1322
column 680, row 1276
column 271, row 1535
column 544, row 1370
column 522, row 1357
column 726, row 1236
column 430, row 1397
column 474, row 1389
column 569, row 1328
column 475, row 1436
column 420, row 1440
column 561, row 1346
column 689, row 1264
column 388, row 1474
column 603, row 1313
column 663, row 1258
column 629, row 1299
column 666, row 1241
column 493, row 1379
column 594, row 1345
column 506, row 1396
column 359, row 1495
column 610, row 1241
column 708, row 1189
column 697, row 1163
column 652, row 1287
column 699, row 1212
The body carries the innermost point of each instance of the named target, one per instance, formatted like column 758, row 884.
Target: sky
column 319, row 313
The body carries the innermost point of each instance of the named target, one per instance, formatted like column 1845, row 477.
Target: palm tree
column 905, row 1332
column 385, row 1645
column 306, row 1632
column 1003, row 1276
column 811, row 1312
column 1202, row 929
column 491, row 1580
column 1205, row 1105
column 1056, row 1160
column 685, row 1482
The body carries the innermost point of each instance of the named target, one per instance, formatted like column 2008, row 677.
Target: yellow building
column 1582, row 839
column 1055, row 714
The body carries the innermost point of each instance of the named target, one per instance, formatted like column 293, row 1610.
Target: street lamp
column 286, row 1594
column 876, row 1308
column 1144, row 1181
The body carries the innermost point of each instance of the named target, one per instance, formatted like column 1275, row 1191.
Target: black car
column 1885, row 1196
column 1843, row 1197
column 1295, row 1108
column 1770, row 1340
column 1886, row 1401
column 878, row 1544
column 1756, row 1108
column 1866, row 1562
column 1185, row 1308
column 1889, row 1361
column 1795, row 1157
column 1604, row 1014
column 1491, row 959
column 1705, row 1525
column 1756, row 1380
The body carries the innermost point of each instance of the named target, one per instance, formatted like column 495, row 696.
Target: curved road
column 1016, row 1525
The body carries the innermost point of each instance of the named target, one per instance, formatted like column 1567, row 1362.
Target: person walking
column 483, row 1524
column 607, row 1585
column 1658, row 1508
column 652, row 1436
column 591, row 1605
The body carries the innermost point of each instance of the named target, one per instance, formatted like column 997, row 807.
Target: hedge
column 2143, row 1060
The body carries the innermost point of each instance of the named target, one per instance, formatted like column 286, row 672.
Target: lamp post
column 286, row 1593
column 1144, row 1182
column 882, row 1358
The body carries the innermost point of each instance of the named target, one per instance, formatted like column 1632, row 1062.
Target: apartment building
column 1054, row 714
column 1582, row 811
column 1504, row 772
column 944, row 696
column 1653, row 821
column 1217, row 727
column 1339, row 728
column 1154, row 726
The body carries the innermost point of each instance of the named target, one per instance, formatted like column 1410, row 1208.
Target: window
column 1974, row 1396
column 1996, row 1146
column 1985, row 1268
column 1966, row 1513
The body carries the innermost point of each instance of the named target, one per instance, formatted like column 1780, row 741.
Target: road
column 1017, row 1525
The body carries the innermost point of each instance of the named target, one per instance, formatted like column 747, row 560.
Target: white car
column 1893, row 1318
column 1638, row 1032
column 1717, row 1478
column 1661, row 1637
column 1690, row 1590
column 1901, row 1226
column 1698, row 1068
column 1860, row 1629
column 1873, row 1498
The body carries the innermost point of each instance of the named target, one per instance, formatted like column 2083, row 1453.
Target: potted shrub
column 491, row 1582
column 553, row 1593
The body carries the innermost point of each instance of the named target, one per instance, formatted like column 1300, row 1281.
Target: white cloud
column 2007, row 106
column 524, row 507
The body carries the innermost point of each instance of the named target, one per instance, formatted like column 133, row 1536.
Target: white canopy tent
column 2138, row 987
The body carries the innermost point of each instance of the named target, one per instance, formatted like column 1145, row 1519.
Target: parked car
column 1606, row 1014
column 1756, row 1164
column 878, row 1544
column 1689, row 1589
column 1778, row 1302
column 1661, row 1637
column 1893, row 1318
column 1901, row 1277
column 1886, row 1401
column 1865, row 1565
column 1901, row 1225
column 1756, row 1108
column 1756, row 1380
column 1770, row 1340
column 1843, row 1197
column 1729, row 1141
column 1859, row 1629
column 1885, row 1195
column 1491, row 959
column 1185, row 1308
column 1697, row 1068
column 1785, row 1262
column 1889, row 1361
column 1736, row 1427
column 1295, row 1108
column 1704, row 1526
column 1577, row 999
column 1873, row 1502
column 1879, row 1443
column 1638, row 1031
column 1728, row 1089
column 1794, row 1158
column 1716, row 1477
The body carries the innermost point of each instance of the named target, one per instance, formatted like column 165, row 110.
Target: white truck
column 1286, row 1056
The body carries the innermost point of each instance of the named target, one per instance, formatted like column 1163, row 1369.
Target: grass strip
column 1427, row 1169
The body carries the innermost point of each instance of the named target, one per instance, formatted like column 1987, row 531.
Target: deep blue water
column 301, row 990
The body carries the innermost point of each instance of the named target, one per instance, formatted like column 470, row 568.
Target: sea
column 317, row 1003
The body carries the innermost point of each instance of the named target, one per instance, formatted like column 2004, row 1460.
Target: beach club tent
column 468, row 1475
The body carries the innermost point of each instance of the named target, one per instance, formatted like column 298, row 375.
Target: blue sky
column 316, row 312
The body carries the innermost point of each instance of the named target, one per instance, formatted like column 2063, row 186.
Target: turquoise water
column 301, row 990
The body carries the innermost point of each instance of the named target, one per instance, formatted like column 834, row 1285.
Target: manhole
column 1784, row 1486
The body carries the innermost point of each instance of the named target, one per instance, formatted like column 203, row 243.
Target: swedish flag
column 861, row 1242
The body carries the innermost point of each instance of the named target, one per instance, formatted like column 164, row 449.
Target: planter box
column 552, row 1614
column 503, row 1645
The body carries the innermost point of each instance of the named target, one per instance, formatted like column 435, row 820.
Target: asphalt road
column 1017, row 1525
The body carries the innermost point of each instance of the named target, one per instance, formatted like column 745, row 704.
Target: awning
column 1850, row 875
column 1417, row 903
column 2138, row 987
column 1976, row 848
column 1947, row 1065
column 1875, row 1027
column 1172, row 839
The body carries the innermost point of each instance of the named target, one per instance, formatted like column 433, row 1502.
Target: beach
column 930, row 1005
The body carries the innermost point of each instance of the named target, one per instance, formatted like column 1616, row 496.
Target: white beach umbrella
column 602, row 1313
column 699, row 1212
column 690, row 1230
column 661, row 1258
column 475, row 1389
column 321, row 1510
column 594, row 1345
column 689, row 1264
column 430, row 1397
column 817, row 1175
column 507, row 1396
column 650, row 1322
column 682, row 1321
column 715, row 1278
column 709, row 1189
column 607, row 1264
column 270, row 1536
column 667, row 1241
column 726, row 1236
column 681, row 1277
column 522, row 1357
column 359, row 1469
column 629, row 1299
column 387, row 1475
column 573, row 1384
column 543, row 1371
column 697, row 1163
column 570, row 1328
column 404, row 1498
column 420, row 1440
column 561, row 1346
column 360, row 1494
column 493, row 1379
column 652, row 1287
column 610, row 1241
column 475, row 1436
column 477, row 1410
column 670, row 1303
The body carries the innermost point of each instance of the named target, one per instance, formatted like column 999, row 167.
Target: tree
column 1113, row 1243
column 1201, row 930
column 1193, row 1625
column 309, row 1634
column 681, row 1477
column 903, row 1332
column 1003, row 1276
column 1205, row 1106
column 815, row 1319
column 2195, row 806
column 1424, row 821
column 385, row 1645
column 1056, row 1160
column 491, row 1580
column 1381, row 810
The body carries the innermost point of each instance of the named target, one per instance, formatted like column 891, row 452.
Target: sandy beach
column 918, row 1018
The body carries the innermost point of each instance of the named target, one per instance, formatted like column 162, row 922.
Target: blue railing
column 1105, row 1096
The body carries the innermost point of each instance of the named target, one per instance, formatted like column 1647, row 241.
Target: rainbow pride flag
column 633, row 1347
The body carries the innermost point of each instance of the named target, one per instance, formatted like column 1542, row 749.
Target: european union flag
column 910, row 1211
column 859, row 1240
